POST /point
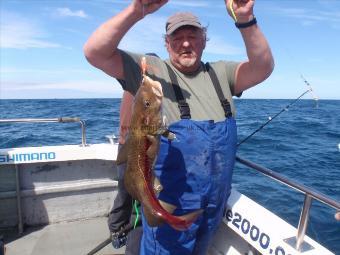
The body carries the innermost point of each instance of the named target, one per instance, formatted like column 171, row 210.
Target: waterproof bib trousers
column 195, row 170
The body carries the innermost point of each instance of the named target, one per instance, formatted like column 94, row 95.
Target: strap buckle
column 184, row 109
column 226, row 107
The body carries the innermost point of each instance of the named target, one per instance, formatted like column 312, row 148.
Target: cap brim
column 182, row 24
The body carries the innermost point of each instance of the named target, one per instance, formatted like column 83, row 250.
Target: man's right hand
column 145, row 7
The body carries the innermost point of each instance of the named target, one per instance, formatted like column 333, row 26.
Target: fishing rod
column 283, row 110
column 310, row 87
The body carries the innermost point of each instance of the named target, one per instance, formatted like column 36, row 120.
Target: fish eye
column 147, row 103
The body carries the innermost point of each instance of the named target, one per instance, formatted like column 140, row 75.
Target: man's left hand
column 242, row 9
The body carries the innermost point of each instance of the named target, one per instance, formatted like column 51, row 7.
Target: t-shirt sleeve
column 132, row 71
column 226, row 74
column 230, row 69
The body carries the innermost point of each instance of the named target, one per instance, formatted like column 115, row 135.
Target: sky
column 41, row 45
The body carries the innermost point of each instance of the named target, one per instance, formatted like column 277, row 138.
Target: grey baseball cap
column 181, row 19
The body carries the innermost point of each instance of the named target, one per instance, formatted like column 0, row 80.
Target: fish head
column 148, row 106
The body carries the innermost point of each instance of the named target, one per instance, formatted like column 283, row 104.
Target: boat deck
column 81, row 237
column 78, row 237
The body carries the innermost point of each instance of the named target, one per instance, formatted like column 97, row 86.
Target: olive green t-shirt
column 197, row 88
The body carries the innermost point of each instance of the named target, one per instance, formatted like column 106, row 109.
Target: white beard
column 187, row 62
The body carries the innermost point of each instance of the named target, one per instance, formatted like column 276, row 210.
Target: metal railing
column 59, row 120
column 17, row 170
column 298, row 241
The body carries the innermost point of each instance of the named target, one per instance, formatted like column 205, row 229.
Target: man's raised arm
column 260, row 62
column 101, row 49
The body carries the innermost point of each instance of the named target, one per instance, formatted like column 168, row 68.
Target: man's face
column 185, row 47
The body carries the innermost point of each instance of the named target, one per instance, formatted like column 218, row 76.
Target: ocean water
column 302, row 143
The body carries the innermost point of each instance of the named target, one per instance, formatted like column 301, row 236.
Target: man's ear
column 167, row 43
column 205, row 40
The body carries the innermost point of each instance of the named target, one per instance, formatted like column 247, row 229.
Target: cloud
column 146, row 37
column 217, row 45
column 309, row 16
column 21, row 33
column 196, row 4
column 63, row 89
column 66, row 12
column 40, row 72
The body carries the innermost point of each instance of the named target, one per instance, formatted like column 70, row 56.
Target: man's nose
column 186, row 43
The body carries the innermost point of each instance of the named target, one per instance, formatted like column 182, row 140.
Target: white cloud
column 309, row 16
column 217, row 45
column 66, row 12
column 146, row 36
column 63, row 89
column 21, row 33
column 55, row 72
column 187, row 3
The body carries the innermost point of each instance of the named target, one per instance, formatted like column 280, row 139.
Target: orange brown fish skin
column 139, row 178
column 146, row 119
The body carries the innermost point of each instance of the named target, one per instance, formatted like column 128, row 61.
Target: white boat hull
column 76, row 185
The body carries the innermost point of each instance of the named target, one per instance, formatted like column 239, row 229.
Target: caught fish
column 139, row 178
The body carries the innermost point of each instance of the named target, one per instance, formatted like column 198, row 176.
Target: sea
column 301, row 141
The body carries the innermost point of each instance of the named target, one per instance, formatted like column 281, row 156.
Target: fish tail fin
column 186, row 220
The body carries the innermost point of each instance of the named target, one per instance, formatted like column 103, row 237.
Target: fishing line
column 315, row 98
column 310, row 89
column 271, row 118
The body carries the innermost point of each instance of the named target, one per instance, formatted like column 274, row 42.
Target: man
column 195, row 169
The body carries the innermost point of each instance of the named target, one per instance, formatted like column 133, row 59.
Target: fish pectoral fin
column 122, row 154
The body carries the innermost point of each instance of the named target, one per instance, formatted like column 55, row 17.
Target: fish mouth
column 157, row 89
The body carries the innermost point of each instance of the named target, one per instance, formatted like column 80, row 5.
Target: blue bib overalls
column 195, row 170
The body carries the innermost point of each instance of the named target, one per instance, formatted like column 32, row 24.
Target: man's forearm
column 258, row 51
column 101, row 47
column 260, row 62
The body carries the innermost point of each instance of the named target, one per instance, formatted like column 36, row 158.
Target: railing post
column 83, row 133
column 303, row 222
column 18, row 196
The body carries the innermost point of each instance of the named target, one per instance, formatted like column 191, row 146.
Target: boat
column 55, row 200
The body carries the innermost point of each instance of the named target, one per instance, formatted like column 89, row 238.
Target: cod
column 139, row 179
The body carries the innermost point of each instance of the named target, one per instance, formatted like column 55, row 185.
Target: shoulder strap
column 182, row 104
column 224, row 102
